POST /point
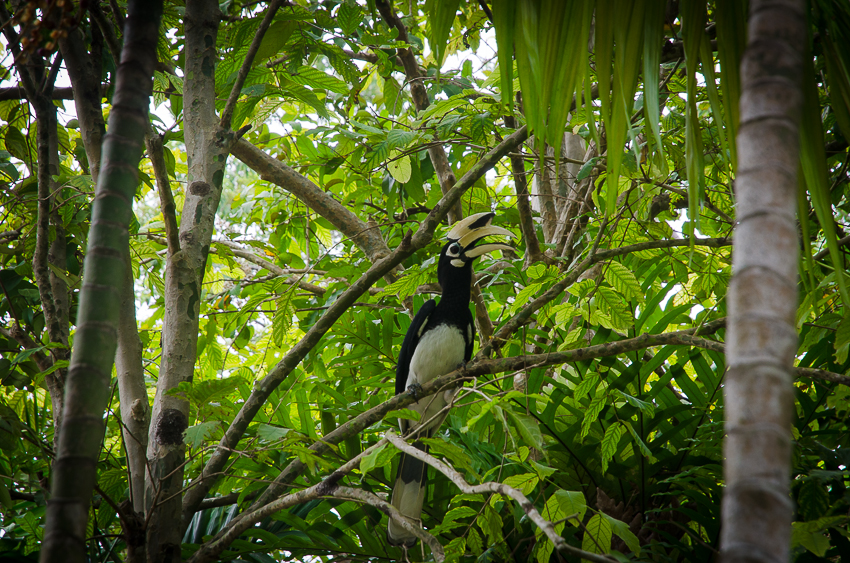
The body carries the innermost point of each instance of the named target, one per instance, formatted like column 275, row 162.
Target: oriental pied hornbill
column 439, row 340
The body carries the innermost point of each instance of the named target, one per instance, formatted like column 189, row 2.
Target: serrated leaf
column 597, row 534
column 591, row 414
column 644, row 449
column 623, row 280
column 315, row 78
column 525, row 482
column 813, row 499
column 195, row 435
column 609, row 444
column 349, row 17
column 405, row 286
column 271, row 433
column 524, row 296
column 528, row 428
column 586, row 386
column 646, row 407
column 564, row 313
column 399, row 138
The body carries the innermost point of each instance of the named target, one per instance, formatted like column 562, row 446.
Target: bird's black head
column 454, row 270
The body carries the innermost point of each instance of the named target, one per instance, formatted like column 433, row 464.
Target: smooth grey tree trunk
column 761, row 340
column 184, row 275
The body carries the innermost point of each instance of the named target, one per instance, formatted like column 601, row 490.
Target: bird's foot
column 414, row 390
column 462, row 367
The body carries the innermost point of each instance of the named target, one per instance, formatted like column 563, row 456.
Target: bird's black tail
column 408, row 496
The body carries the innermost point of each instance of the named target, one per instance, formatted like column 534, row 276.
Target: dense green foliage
column 622, row 451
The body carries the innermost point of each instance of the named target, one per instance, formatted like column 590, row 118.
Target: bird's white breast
column 438, row 352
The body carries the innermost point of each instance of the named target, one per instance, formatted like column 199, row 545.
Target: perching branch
column 533, row 514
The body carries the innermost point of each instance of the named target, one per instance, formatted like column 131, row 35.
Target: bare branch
column 367, row 237
column 156, row 153
column 533, row 514
column 526, row 221
column 421, row 101
column 230, row 105
column 823, row 375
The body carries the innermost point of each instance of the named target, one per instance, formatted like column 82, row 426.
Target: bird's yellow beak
column 470, row 230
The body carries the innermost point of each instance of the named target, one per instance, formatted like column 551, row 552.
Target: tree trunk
column 207, row 151
column 88, row 389
column 761, row 339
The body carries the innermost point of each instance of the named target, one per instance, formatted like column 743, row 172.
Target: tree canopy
column 302, row 164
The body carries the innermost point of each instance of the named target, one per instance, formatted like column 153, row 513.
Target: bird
column 439, row 340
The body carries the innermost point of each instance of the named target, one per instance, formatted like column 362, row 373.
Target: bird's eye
column 454, row 250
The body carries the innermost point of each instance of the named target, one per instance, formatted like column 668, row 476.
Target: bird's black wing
column 411, row 339
column 467, row 353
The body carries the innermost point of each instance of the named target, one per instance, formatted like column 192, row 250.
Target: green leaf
column 693, row 28
column 644, row 449
column 624, row 281
column 811, row 534
column 591, row 414
column 315, row 78
column 400, row 168
column 621, row 529
column 561, row 505
column 644, row 406
column 586, row 169
column 406, row 414
column 590, row 383
column 653, row 28
column 274, row 40
column 525, row 482
column 271, row 433
column 441, row 16
column 370, row 460
column 349, row 17
column 5, row 496
column 504, row 18
column 528, row 428
column 842, row 340
column 813, row 499
column 597, row 534
column 609, row 444
column 197, row 434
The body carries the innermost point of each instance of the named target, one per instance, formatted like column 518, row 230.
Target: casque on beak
column 468, row 231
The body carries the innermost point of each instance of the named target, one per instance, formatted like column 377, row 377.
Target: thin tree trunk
column 184, row 275
column 75, row 467
column 84, row 68
column 761, row 339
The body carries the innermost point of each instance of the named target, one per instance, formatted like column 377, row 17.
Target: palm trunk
column 762, row 340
